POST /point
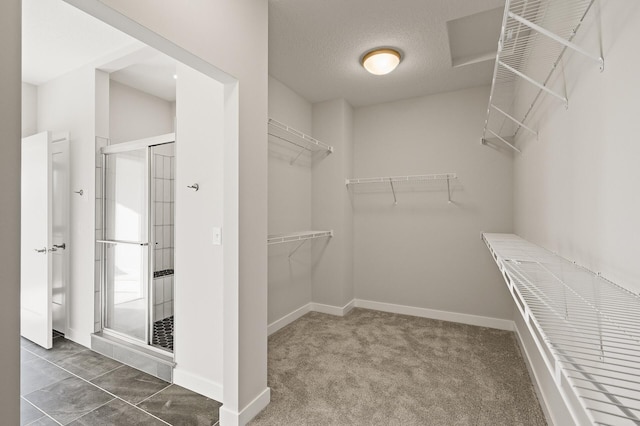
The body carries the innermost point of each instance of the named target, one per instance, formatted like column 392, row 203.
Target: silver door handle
column 59, row 246
column 42, row 250
column 53, row 249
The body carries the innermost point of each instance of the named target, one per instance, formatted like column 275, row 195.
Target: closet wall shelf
column 586, row 328
column 289, row 134
column 297, row 236
column 409, row 178
column 535, row 36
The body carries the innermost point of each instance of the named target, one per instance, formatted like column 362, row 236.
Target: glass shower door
column 126, row 243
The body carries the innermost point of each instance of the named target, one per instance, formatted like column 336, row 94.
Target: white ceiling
column 315, row 46
column 58, row 38
column 153, row 75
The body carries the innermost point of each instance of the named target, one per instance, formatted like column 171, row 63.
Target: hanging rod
column 297, row 236
column 586, row 328
column 289, row 134
column 534, row 37
column 409, row 178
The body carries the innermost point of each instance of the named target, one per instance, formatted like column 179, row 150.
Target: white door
column 36, row 239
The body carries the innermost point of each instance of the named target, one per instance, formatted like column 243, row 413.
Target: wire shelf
column 589, row 327
column 288, row 134
column 297, row 236
column 534, row 38
column 391, row 180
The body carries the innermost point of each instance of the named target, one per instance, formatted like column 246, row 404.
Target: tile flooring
column 72, row 385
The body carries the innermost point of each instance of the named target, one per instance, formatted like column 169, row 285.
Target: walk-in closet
column 477, row 208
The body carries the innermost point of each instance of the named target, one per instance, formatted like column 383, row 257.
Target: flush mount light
column 381, row 61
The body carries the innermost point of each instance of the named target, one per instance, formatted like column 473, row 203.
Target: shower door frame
column 147, row 144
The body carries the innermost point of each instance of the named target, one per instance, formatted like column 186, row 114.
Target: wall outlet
column 217, row 236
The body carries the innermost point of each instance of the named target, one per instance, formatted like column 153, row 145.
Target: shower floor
column 163, row 333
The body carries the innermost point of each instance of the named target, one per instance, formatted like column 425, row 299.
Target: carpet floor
column 376, row 368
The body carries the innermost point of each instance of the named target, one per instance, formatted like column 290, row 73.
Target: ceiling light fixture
column 381, row 61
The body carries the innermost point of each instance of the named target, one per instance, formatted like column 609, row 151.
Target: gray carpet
column 375, row 368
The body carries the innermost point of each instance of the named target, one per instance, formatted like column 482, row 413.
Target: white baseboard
column 542, row 397
column 332, row 310
column 252, row 409
column 309, row 307
column 197, row 384
column 500, row 324
column 288, row 319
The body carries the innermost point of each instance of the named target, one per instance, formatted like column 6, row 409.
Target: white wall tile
column 173, row 167
column 160, row 243
column 159, row 190
column 166, row 258
column 167, row 191
column 168, row 288
column 168, row 309
column 159, row 213
column 159, row 171
column 166, row 236
column 171, row 258
column 158, row 312
column 158, row 263
column 172, row 187
column 167, row 168
column 166, row 213
column 158, row 290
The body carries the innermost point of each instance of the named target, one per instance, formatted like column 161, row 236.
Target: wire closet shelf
column 391, row 180
column 534, row 37
column 286, row 133
column 586, row 328
column 297, row 236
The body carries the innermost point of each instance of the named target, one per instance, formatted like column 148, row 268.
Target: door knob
column 42, row 250
column 60, row 246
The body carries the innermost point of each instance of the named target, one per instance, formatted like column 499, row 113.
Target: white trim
column 498, row 323
column 197, row 384
column 252, row 409
column 332, row 310
column 542, row 397
column 288, row 319
column 140, row 143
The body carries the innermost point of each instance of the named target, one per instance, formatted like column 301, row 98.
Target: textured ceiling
column 315, row 47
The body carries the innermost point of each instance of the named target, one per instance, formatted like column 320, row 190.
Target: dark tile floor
column 72, row 385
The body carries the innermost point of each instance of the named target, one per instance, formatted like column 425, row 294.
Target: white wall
column 10, row 210
column 29, row 109
column 332, row 279
column 576, row 187
column 199, row 264
column 289, row 205
column 424, row 252
column 136, row 115
column 232, row 36
column 68, row 103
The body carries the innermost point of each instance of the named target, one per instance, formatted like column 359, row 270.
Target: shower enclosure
column 137, row 241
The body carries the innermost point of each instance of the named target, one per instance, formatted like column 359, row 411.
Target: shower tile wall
column 164, row 190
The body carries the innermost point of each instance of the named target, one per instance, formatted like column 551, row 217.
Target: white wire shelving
column 303, row 141
column 301, row 237
column 391, row 180
column 534, row 38
column 297, row 236
column 586, row 328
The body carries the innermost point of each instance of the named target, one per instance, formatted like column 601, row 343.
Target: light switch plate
column 217, row 236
